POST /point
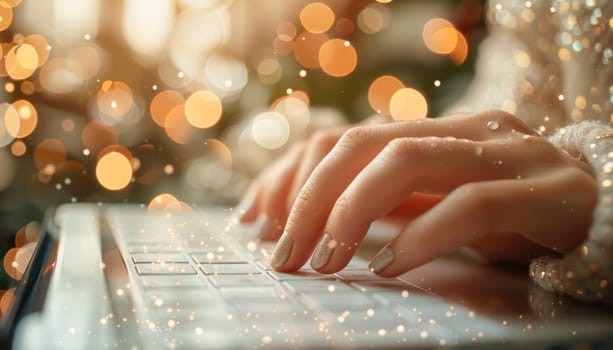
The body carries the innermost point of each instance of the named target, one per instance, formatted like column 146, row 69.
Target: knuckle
column 477, row 201
column 402, row 148
column 342, row 208
column 302, row 202
column 355, row 136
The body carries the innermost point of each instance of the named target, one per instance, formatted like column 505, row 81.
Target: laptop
column 127, row 278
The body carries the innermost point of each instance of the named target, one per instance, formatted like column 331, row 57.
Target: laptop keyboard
column 194, row 284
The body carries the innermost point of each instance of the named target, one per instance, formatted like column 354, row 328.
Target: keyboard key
column 222, row 269
column 180, row 281
column 357, row 275
column 338, row 302
column 216, row 258
column 298, row 275
column 249, row 292
column 140, row 258
column 240, row 280
column 322, row 286
column 165, row 269
column 182, row 297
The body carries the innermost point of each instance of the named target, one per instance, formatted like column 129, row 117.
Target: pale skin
column 501, row 189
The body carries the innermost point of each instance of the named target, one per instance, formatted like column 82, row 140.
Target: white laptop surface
column 127, row 279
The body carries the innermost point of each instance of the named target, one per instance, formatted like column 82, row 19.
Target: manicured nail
column 382, row 260
column 323, row 252
column 282, row 250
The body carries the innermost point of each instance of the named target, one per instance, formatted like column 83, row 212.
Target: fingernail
column 282, row 250
column 323, row 252
column 382, row 260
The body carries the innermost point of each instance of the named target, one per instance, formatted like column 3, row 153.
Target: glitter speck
column 400, row 328
column 479, row 150
column 493, row 125
column 198, row 331
column 405, row 293
column 370, row 312
column 437, row 83
column 331, row 288
column 154, row 87
column 87, row 37
column 266, row 339
column 180, row 75
column 302, row 73
column 86, row 152
column 423, row 335
column 252, row 246
column 289, row 91
column 381, row 332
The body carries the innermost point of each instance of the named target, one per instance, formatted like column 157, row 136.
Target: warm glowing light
column 407, row 104
column 96, row 136
column 306, row 48
column 9, row 124
column 21, row 61
column 440, row 36
column 49, row 154
column 9, row 87
column 381, row 91
column 338, row 58
column 177, row 126
column 163, row 103
column 114, row 98
column 296, row 112
column 221, row 151
column 10, row 3
column 168, row 203
column 203, row 109
column 460, row 52
column 114, row 171
column 68, row 125
column 269, row 70
column 270, row 130
column 28, row 87
column 89, row 59
column 344, row 26
column 286, row 31
column 40, row 44
column 28, row 118
column 18, row 148
column 6, row 16
column 61, row 76
column 6, row 301
column 317, row 17
column 373, row 18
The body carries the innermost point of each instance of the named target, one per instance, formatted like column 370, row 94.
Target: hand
column 274, row 191
column 496, row 180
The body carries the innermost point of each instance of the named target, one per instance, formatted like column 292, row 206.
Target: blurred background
column 180, row 103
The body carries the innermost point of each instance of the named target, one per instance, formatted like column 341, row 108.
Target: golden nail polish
column 323, row 252
column 382, row 260
column 282, row 250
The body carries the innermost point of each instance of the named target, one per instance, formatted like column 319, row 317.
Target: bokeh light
column 306, row 49
column 270, row 130
column 28, row 117
column 167, row 203
column 373, row 18
column 163, row 103
column 40, row 44
column 21, row 61
column 381, row 91
column 338, row 58
column 18, row 148
column 221, row 151
column 114, row 98
column 114, row 171
column 177, row 127
column 9, row 124
column 408, row 104
column 49, row 154
column 317, row 17
column 6, row 17
column 203, row 109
